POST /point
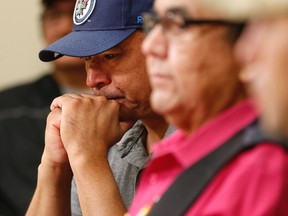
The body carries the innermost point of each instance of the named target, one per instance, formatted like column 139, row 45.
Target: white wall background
column 20, row 42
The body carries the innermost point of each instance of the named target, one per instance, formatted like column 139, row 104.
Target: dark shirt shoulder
column 23, row 112
column 33, row 94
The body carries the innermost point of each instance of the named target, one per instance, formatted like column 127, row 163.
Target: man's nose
column 97, row 77
column 248, row 45
column 155, row 43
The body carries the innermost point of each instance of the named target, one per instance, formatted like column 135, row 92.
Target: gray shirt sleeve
column 126, row 158
column 75, row 204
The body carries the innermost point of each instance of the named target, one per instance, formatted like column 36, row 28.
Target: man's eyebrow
column 117, row 48
column 177, row 10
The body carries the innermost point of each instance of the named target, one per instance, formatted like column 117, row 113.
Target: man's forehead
column 247, row 9
column 163, row 6
column 190, row 8
column 52, row 3
column 280, row 20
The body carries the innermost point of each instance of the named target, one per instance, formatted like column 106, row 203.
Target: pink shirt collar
column 209, row 136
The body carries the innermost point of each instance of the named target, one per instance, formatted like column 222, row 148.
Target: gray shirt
column 126, row 158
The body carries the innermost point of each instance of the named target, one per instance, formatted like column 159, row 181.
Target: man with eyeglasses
column 219, row 162
column 263, row 50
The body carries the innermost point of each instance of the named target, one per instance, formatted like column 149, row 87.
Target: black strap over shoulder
column 180, row 195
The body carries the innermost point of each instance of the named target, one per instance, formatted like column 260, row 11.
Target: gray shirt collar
column 133, row 143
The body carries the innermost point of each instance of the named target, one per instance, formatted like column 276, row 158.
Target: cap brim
column 246, row 9
column 84, row 43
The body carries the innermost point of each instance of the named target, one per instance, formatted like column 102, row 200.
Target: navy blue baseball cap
column 99, row 25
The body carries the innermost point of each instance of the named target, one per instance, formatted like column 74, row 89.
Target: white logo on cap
column 82, row 11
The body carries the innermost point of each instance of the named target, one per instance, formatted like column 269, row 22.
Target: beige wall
column 20, row 42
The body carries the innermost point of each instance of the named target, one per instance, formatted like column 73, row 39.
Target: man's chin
column 127, row 114
column 124, row 118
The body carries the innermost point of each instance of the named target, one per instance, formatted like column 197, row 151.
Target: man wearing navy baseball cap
column 81, row 128
column 99, row 25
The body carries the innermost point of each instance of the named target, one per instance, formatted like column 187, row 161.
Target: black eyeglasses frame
column 152, row 15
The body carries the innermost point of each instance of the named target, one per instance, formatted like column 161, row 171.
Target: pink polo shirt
column 254, row 183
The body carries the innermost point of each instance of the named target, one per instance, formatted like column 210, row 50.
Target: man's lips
column 118, row 99
column 159, row 79
column 110, row 96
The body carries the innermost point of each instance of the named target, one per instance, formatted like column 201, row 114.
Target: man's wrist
column 54, row 179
